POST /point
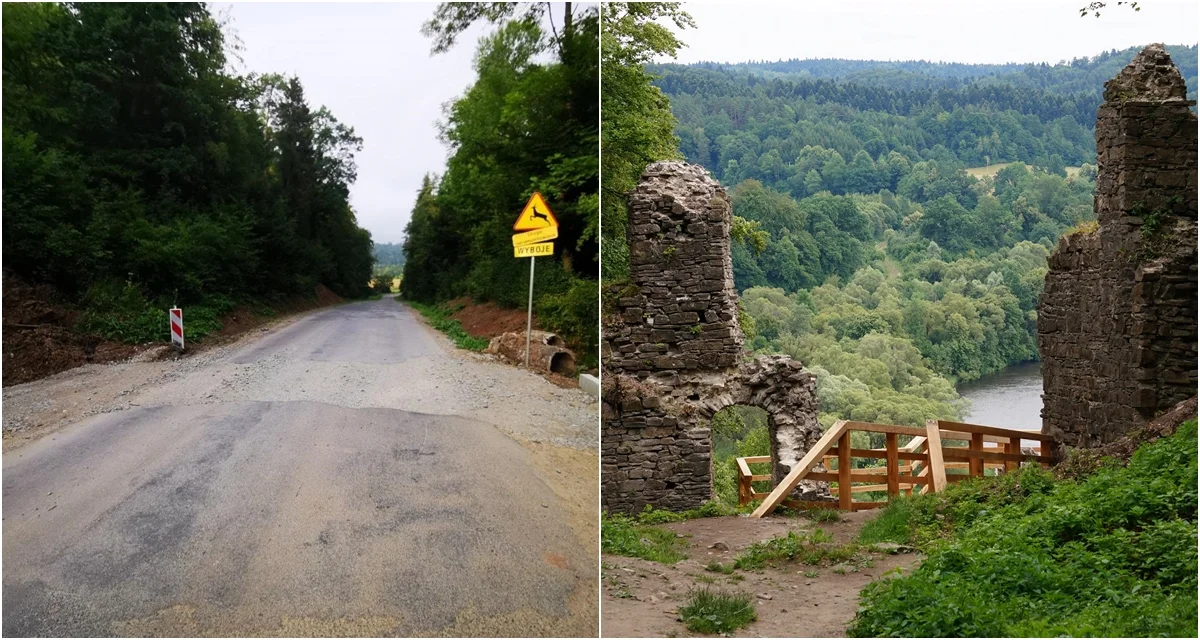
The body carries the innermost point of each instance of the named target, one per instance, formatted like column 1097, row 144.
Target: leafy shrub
column 574, row 315
column 1113, row 554
column 623, row 536
column 120, row 312
column 709, row 611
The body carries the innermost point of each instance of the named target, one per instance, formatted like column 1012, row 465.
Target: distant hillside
column 753, row 120
column 1066, row 77
column 387, row 253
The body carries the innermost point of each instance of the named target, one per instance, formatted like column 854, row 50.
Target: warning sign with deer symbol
column 536, row 215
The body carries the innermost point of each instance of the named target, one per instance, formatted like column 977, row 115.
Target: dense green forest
column 754, row 120
column 529, row 122
column 139, row 172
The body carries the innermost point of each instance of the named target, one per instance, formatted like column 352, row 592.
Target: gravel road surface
column 346, row 473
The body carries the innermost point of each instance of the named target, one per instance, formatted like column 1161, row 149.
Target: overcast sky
column 949, row 31
column 371, row 66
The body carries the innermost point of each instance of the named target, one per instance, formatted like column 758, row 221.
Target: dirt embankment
column 793, row 600
column 486, row 319
column 40, row 337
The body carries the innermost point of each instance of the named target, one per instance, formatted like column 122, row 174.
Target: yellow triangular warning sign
column 536, row 215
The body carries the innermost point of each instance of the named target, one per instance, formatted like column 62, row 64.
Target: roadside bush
column 120, row 312
column 1113, row 554
column 574, row 315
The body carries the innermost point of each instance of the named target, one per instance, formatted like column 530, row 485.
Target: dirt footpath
column 642, row 598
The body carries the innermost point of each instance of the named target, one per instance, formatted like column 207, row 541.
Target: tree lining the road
column 140, row 173
column 529, row 122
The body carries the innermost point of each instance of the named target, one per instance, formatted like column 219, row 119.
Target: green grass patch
column 717, row 567
column 719, row 612
column 895, row 523
column 1023, row 554
column 710, row 509
column 810, row 548
column 823, row 515
column 623, row 536
column 439, row 318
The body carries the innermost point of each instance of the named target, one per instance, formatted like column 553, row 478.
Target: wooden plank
column 801, row 469
column 845, row 473
column 862, row 506
column 915, row 444
column 809, row 504
column 756, row 459
column 965, row 455
column 743, row 468
column 762, row 477
column 937, row 467
column 947, row 425
column 872, row 427
column 1013, row 447
column 977, row 463
column 880, row 478
column 879, row 454
column 966, row 437
column 893, row 465
column 866, row 488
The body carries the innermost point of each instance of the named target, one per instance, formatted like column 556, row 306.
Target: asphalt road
column 292, row 517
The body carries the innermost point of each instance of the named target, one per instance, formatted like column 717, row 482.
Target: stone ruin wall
column 1117, row 318
column 673, row 353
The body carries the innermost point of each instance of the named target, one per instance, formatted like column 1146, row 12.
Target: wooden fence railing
column 922, row 462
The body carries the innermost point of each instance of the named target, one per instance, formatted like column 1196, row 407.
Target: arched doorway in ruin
column 773, row 400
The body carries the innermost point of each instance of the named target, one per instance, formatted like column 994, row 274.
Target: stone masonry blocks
column 1117, row 317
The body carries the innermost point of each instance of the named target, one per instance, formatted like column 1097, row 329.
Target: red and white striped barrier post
column 177, row 327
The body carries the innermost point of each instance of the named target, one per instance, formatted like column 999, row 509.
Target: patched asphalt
column 289, row 517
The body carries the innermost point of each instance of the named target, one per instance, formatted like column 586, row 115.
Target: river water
column 1010, row 398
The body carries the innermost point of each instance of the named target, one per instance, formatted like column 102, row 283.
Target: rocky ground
column 642, row 598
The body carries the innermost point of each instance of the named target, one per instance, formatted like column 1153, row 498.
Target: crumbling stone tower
column 1117, row 319
column 673, row 352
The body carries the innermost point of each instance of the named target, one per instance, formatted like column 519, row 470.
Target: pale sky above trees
column 973, row 31
column 371, row 66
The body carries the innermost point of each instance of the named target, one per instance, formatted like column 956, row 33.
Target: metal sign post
column 529, row 312
column 533, row 228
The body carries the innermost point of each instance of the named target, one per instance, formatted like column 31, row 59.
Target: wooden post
column 893, row 464
column 1014, row 447
column 798, row 472
column 845, row 493
column 937, row 465
column 976, row 463
column 745, row 484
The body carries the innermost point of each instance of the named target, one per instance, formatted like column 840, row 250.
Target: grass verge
column 623, row 536
column 439, row 318
column 1026, row 555
column 711, row 611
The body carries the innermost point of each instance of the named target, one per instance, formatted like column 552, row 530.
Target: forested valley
column 895, row 218
column 140, row 172
column 528, row 123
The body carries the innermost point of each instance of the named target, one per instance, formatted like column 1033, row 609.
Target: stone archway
column 776, row 384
